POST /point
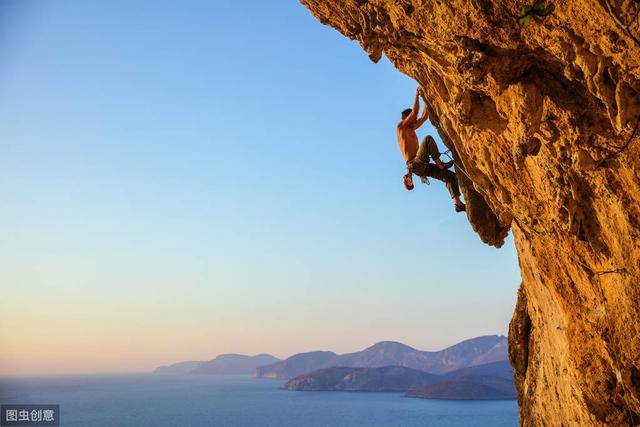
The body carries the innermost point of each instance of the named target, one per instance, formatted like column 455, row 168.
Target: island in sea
column 474, row 369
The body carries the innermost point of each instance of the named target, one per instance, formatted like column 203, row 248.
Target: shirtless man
column 417, row 155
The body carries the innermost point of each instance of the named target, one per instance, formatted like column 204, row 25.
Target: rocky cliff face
column 541, row 118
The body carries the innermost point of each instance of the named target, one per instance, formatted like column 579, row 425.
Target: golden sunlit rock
column 539, row 102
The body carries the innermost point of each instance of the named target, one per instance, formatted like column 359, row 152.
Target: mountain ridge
column 469, row 352
column 223, row 364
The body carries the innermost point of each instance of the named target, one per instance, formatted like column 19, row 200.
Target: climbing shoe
column 408, row 181
column 461, row 208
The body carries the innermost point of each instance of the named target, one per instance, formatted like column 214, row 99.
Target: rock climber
column 417, row 156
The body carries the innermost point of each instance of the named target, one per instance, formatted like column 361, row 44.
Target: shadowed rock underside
column 541, row 121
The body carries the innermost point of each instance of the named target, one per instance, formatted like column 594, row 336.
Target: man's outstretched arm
column 414, row 112
column 425, row 113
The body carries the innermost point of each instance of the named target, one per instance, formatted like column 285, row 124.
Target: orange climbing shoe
column 408, row 181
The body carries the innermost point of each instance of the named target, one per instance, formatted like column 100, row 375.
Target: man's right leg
column 429, row 148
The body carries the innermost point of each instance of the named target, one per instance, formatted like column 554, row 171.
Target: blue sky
column 186, row 179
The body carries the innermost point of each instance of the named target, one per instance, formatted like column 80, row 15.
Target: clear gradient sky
column 183, row 179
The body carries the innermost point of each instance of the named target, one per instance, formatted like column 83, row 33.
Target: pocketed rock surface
column 539, row 119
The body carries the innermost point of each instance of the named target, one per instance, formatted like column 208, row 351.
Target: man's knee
column 432, row 147
column 431, row 143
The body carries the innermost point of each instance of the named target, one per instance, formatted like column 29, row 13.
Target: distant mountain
column 489, row 381
column 497, row 353
column 234, row 364
column 225, row 364
column 467, row 353
column 467, row 389
column 178, row 368
column 295, row 365
column 501, row 369
column 388, row 378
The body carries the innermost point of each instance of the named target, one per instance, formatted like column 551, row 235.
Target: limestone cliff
column 541, row 115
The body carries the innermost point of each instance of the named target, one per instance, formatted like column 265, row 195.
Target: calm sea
column 152, row 400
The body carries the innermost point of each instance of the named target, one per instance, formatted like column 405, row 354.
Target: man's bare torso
column 408, row 141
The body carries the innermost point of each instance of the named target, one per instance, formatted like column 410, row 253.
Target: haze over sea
column 197, row 400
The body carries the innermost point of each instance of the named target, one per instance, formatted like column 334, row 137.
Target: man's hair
column 406, row 112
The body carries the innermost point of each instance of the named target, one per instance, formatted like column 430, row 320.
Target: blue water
column 153, row 400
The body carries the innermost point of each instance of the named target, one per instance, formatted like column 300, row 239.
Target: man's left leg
column 450, row 180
